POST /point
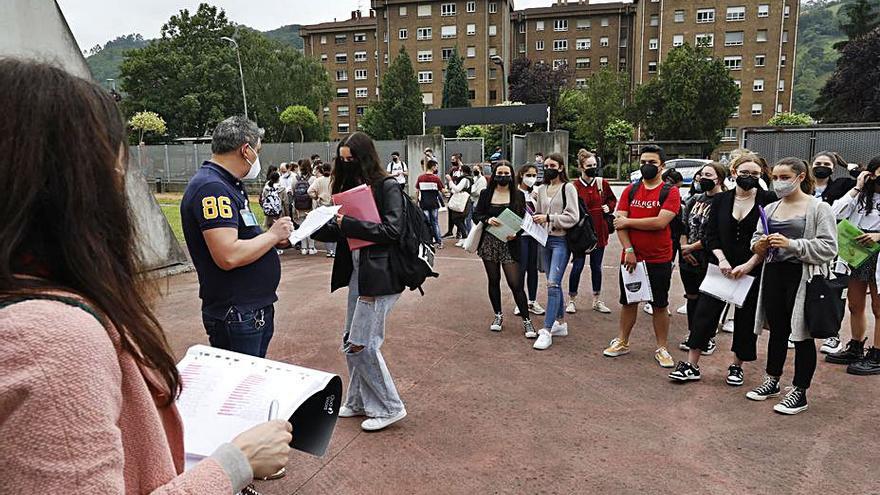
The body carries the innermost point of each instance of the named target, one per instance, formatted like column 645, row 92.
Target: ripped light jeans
column 371, row 388
column 555, row 259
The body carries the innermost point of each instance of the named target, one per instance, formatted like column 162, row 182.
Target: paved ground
column 487, row 414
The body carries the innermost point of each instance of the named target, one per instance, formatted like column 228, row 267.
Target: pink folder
column 359, row 204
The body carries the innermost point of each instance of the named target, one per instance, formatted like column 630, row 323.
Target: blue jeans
column 555, row 259
column 577, row 267
column 528, row 264
column 247, row 333
column 433, row 217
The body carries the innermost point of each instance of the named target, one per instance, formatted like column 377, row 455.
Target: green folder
column 848, row 249
column 511, row 223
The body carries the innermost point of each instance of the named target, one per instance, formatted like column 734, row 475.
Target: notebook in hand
column 358, row 203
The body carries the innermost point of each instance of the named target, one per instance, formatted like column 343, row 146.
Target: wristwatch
column 629, row 250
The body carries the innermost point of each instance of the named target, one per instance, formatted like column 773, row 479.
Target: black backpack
column 301, row 199
column 412, row 258
column 581, row 238
column 664, row 191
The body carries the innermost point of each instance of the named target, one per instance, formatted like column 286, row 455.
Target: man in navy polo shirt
column 236, row 261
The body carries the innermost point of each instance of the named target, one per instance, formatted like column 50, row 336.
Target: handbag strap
column 70, row 301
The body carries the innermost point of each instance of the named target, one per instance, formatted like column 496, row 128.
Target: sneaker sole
column 734, row 384
column 560, row 334
column 386, row 425
column 707, row 353
column 670, row 365
column 790, row 411
column 353, row 414
column 537, row 313
column 684, row 378
column 760, row 398
column 603, row 312
column 682, row 347
column 833, row 360
column 531, row 336
column 615, row 354
column 830, row 350
column 860, row 372
column 495, row 329
column 535, row 347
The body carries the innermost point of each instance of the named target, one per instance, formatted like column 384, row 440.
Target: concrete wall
column 37, row 29
column 546, row 143
column 415, row 150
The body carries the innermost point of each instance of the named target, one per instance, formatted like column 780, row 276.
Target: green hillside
column 287, row 34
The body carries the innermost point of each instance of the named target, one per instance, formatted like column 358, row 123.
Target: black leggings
column 705, row 324
column 781, row 282
column 691, row 278
column 514, row 281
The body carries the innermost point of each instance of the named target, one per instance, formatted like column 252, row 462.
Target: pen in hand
column 273, row 414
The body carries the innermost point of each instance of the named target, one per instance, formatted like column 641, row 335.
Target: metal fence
column 472, row 149
column 857, row 144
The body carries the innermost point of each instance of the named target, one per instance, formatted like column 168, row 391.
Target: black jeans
column 781, row 281
column 708, row 313
column 247, row 333
column 691, row 278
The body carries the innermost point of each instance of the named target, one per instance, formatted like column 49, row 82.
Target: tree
column 601, row 101
column 147, row 122
column 398, row 112
column 852, row 93
column 617, row 133
column 455, row 87
column 861, row 19
column 691, row 97
column 299, row 117
column 537, row 83
column 491, row 135
column 786, row 119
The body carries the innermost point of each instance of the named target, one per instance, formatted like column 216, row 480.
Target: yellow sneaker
column 663, row 358
column 616, row 348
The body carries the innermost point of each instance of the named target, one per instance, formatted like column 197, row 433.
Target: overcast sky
column 95, row 22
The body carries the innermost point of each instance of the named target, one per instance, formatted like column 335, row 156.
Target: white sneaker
column 727, row 327
column 459, row 243
column 571, row 309
column 313, row 251
column 304, row 251
column 536, row 308
column 832, row 345
column 790, row 344
column 601, row 307
column 545, row 340
column 347, row 412
column 682, row 310
column 516, row 310
column 559, row 329
column 376, row 424
column 648, row 309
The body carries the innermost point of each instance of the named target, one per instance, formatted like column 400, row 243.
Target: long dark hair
column 517, row 201
column 866, row 195
column 305, row 168
column 369, row 171
column 65, row 217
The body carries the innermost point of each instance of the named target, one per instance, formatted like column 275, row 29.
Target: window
column 340, row 38
column 360, row 56
column 471, row 7
column 705, row 15
column 738, row 83
column 423, row 33
column 493, row 94
column 781, row 86
column 623, row 41
column 522, row 28
column 583, row 44
column 360, row 110
column 493, row 73
column 559, row 62
column 758, row 85
column 779, row 108
column 428, row 98
column 359, row 37
column 786, row 11
column 447, row 9
column 736, row 14
column 424, row 10
column 679, row 16
column 493, row 7
column 653, row 43
column 342, row 92
column 493, row 30
column 560, row 25
column 447, row 32
column 539, row 25
column 425, row 56
column 729, row 134
column 342, row 75
column 472, row 73
column 360, row 74
column 655, row 20
column 323, row 40
column 580, row 83
column 539, row 45
column 522, row 48
column 782, row 61
column 342, row 111
column 735, row 114
column 764, row 10
column 401, row 34
column 323, row 57
column 733, row 63
column 760, row 60
column 677, row 39
column 472, row 94
column 402, row 11
column 652, row 67
column 426, row 77
column 560, row 45
column 603, row 62
column 342, row 127
column 733, row 38
column 603, row 22
column 582, row 63
column 361, row 92
column 341, row 58
column 583, row 24
column 446, row 53
column 757, row 109
column 471, row 51
column 762, row 36
column 603, row 41
column 705, row 39
column 785, row 36
column 385, row 35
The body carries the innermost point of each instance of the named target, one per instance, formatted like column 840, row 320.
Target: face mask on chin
column 254, row 172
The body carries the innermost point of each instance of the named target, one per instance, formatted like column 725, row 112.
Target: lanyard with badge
column 250, row 220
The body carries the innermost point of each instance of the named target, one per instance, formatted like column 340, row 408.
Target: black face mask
column 550, row 174
column 502, row 180
column 822, row 172
column 591, row 172
column 707, row 185
column 747, row 182
column 649, row 171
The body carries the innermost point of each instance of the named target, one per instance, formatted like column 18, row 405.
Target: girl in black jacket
column 372, row 288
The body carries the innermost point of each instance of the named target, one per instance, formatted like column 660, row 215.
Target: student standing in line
column 557, row 208
column 397, row 168
column 832, row 176
column 644, row 213
column 501, row 194
column 270, row 199
column 303, row 202
column 461, row 189
column 321, row 194
column 429, row 187
column 373, row 289
column 861, row 206
column 529, row 247
column 733, row 219
column 599, row 199
column 804, row 241
column 479, row 184
column 676, row 228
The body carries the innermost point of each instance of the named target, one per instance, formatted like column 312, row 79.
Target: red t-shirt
column 429, row 193
column 651, row 246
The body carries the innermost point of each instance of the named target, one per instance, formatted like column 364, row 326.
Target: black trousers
column 691, row 278
column 781, row 281
column 705, row 324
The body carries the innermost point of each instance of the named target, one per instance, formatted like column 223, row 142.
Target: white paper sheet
column 636, row 284
column 537, row 232
column 316, row 219
column 726, row 289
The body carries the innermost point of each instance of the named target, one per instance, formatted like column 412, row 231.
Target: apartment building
column 348, row 50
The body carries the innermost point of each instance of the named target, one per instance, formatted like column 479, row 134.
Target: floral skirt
column 495, row 250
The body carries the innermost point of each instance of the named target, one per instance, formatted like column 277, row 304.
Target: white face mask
column 783, row 188
column 254, row 172
column 529, row 181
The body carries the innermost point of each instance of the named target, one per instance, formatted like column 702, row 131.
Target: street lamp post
column 500, row 61
column 240, row 72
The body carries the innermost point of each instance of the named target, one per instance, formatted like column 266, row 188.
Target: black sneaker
column 869, row 365
column 854, row 351
column 710, row 349
column 529, row 329
column 795, row 401
column 685, row 372
column 684, row 345
column 770, row 388
column 496, row 323
column 734, row 375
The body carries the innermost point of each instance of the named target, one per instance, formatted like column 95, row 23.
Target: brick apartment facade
column 756, row 39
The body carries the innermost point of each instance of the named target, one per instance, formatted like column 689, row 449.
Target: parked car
column 687, row 167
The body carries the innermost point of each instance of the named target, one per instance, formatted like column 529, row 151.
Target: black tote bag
column 825, row 305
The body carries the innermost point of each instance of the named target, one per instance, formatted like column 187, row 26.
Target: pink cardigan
column 77, row 415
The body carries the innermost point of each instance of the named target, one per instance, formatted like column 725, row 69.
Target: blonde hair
column 583, row 155
column 748, row 156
